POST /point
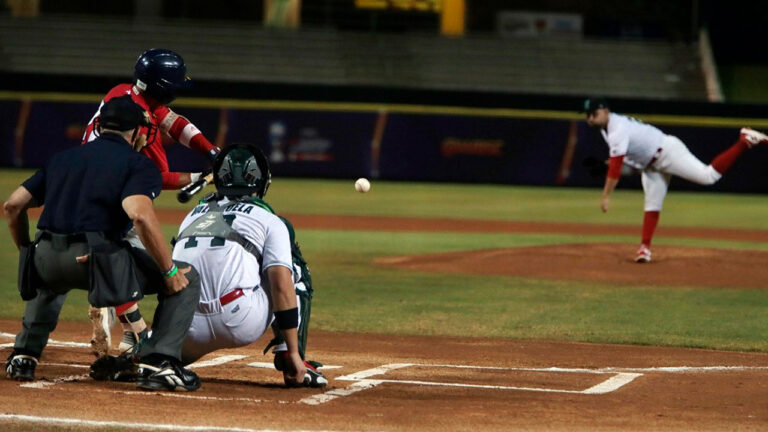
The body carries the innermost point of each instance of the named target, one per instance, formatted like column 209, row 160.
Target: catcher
column 251, row 270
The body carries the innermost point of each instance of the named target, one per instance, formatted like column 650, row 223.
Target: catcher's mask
column 241, row 170
column 162, row 74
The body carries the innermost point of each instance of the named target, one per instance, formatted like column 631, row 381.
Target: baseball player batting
column 160, row 75
column 658, row 156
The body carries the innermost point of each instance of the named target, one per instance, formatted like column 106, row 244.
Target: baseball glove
column 597, row 168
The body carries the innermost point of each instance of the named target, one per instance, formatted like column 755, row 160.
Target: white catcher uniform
column 226, row 317
column 659, row 156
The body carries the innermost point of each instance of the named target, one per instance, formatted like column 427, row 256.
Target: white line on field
column 605, row 370
column 43, row 384
column 216, row 361
column 72, row 365
column 132, row 425
column 188, row 396
column 335, row 393
column 51, row 342
column 685, row 369
column 611, row 384
column 381, row 370
column 270, row 365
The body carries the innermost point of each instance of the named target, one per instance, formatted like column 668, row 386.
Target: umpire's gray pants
column 55, row 263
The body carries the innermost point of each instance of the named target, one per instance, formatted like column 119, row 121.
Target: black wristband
column 287, row 319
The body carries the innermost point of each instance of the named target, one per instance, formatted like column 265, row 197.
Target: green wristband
column 173, row 270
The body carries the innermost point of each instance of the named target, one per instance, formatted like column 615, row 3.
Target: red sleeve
column 183, row 131
column 170, row 180
column 614, row 166
column 156, row 153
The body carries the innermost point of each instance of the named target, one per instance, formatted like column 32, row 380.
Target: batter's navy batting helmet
column 241, row 170
column 162, row 74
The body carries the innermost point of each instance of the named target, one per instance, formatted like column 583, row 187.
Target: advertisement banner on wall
column 298, row 143
column 472, row 149
column 390, row 146
column 538, row 24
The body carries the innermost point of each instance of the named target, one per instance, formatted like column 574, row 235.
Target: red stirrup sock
column 650, row 220
column 722, row 162
column 127, row 307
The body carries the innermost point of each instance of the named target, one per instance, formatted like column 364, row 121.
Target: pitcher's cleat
column 643, row 254
column 752, row 137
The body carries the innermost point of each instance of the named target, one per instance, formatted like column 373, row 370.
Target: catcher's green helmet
column 241, row 170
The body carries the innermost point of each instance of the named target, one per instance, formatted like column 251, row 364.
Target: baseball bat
column 188, row 191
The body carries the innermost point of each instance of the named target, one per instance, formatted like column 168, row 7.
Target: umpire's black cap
column 122, row 114
column 593, row 104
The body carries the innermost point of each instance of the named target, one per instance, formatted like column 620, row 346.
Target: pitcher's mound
column 603, row 262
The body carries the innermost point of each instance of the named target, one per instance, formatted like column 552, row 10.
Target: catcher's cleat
column 313, row 377
column 643, row 254
column 166, row 375
column 21, row 367
column 114, row 368
column 752, row 137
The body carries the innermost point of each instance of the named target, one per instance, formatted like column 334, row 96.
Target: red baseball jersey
column 175, row 126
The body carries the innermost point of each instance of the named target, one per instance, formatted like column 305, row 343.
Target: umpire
column 92, row 194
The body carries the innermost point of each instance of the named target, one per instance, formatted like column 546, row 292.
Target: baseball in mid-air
column 362, row 185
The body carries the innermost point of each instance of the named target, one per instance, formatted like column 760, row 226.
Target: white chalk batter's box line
column 364, row 380
column 619, row 378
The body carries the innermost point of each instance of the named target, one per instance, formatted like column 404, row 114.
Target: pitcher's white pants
column 674, row 160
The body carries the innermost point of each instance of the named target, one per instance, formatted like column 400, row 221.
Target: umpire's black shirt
column 83, row 188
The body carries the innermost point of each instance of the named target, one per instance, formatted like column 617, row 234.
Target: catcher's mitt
column 596, row 168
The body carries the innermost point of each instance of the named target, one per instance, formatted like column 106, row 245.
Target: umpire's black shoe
column 21, row 367
column 166, row 375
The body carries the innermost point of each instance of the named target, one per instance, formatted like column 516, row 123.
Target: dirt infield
column 404, row 383
column 596, row 262
column 396, row 383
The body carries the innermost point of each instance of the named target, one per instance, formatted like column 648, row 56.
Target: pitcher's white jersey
column 638, row 142
column 225, row 265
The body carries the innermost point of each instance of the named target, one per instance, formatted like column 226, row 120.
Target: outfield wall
column 388, row 141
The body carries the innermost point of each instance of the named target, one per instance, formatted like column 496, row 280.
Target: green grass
column 353, row 294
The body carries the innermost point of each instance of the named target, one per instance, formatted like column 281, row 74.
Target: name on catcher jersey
column 633, row 139
column 223, row 264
